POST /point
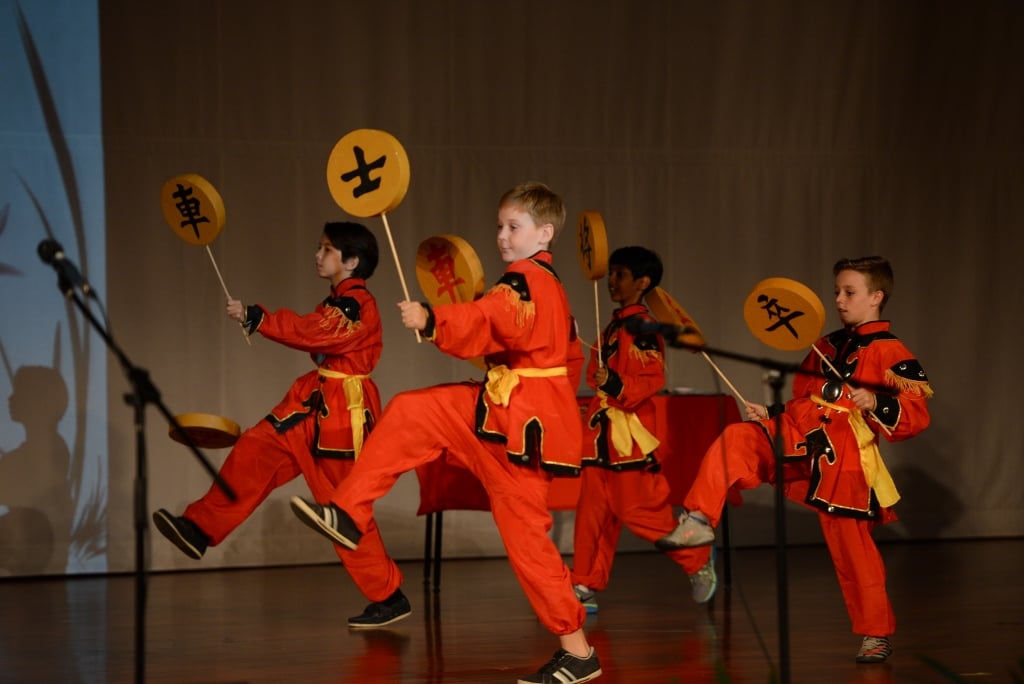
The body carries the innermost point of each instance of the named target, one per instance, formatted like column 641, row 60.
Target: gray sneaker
column 690, row 531
column 586, row 596
column 704, row 582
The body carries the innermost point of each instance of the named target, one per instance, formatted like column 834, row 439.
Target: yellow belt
column 352, row 385
column 627, row 428
column 875, row 473
column 501, row 380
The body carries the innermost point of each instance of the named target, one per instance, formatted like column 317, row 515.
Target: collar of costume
column 347, row 285
column 543, row 255
column 870, row 328
column 628, row 311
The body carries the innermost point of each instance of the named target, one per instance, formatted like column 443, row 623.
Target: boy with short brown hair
column 513, row 432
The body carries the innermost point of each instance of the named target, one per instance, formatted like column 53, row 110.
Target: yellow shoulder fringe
column 645, row 356
column 919, row 387
column 524, row 310
column 336, row 323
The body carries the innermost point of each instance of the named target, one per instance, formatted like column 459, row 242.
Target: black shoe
column 182, row 532
column 565, row 668
column 329, row 520
column 874, row 649
column 392, row 609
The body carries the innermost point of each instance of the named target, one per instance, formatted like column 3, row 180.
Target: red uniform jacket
column 343, row 338
column 636, row 372
column 868, row 354
column 522, row 322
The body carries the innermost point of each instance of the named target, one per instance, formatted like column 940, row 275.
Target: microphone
column 51, row 252
column 670, row 332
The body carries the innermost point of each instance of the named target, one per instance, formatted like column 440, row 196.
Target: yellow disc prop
column 206, row 430
column 668, row 310
column 193, row 209
column 784, row 314
column 592, row 245
column 449, row 270
column 368, row 172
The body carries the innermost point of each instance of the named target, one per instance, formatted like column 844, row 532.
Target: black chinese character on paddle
column 362, row 172
column 586, row 244
column 189, row 208
column 776, row 310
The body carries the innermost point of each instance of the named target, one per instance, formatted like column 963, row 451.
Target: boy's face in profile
column 623, row 288
column 331, row 264
column 855, row 302
column 519, row 237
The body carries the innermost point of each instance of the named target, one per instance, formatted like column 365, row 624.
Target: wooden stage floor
column 959, row 607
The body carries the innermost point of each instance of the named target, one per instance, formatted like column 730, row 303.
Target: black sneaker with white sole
column 182, row 532
column 329, row 520
column 565, row 668
column 392, row 609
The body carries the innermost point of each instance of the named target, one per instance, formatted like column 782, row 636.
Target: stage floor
column 959, row 608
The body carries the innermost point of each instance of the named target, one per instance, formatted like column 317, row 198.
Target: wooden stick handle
column 722, row 375
column 394, row 253
column 597, row 318
column 228, row 294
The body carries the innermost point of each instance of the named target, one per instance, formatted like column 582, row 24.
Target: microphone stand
column 144, row 393
column 775, row 373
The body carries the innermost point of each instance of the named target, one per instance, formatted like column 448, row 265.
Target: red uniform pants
column 261, row 461
column 418, row 426
column 742, row 456
column 637, row 498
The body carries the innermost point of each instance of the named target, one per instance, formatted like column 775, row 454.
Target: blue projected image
column 53, row 425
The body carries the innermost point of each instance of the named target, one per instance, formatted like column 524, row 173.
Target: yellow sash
column 352, row 385
column 875, row 473
column 627, row 428
column 501, row 380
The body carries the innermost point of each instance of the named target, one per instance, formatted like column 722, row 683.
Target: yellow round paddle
column 207, row 431
column 592, row 250
column 667, row 310
column 194, row 210
column 449, row 271
column 368, row 175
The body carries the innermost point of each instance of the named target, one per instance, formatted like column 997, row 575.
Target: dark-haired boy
column 622, row 482
column 318, row 428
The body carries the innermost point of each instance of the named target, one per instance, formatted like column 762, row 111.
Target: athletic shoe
column 565, row 668
column 182, row 532
column 392, row 609
column 874, row 649
column 704, row 582
column 329, row 520
column 586, row 596
column 690, row 531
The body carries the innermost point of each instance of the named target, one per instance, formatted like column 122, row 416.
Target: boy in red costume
column 622, row 479
column 319, row 427
column 829, row 433
column 513, row 431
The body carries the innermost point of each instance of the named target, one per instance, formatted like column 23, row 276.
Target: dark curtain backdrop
column 741, row 140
